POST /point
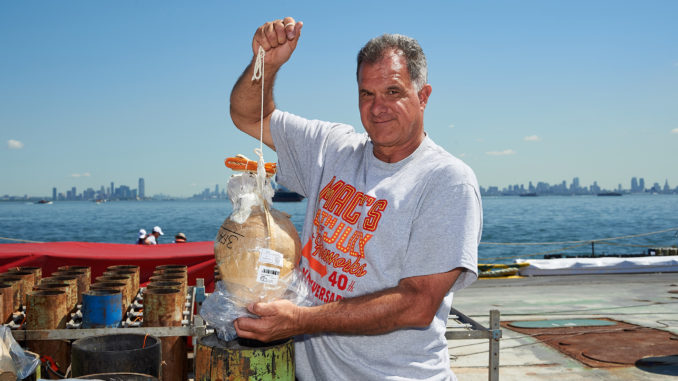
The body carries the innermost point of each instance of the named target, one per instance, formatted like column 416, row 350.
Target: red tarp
column 198, row 256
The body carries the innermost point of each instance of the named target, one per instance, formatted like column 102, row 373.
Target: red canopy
column 197, row 256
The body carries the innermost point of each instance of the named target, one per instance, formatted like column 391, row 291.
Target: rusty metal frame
column 468, row 328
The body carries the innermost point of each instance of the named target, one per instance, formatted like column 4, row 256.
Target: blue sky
column 99, row 91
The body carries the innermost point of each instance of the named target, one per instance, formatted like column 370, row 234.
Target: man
column 392, row 224
column 180, row 238
column 152, row 239
column 142, row 237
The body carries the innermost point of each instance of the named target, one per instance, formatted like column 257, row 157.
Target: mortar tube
column 164, row 284
column 135, row 268
column 72, row 282
column 129, row 293
column 118, row 286
column 15, row 281
column 47, row 309
column 175, row 278
column 64, row 287
column 37, row 272
column 102, row 308
column 83, row 281
column 175, row 272
column 27, row 282
column 124, row 272
column 163, row 307
column 86, row 269
column 7, row 291
column 171, row 267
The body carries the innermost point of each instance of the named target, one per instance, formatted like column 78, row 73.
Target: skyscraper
column 634, row 184
column 54, row 194
column 142, row 188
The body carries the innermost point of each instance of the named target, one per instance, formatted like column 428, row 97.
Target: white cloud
column 674, row 131
column 451, row 126
column 86, row 174
column 14, row 144
column 501, row 153
column 532, row 138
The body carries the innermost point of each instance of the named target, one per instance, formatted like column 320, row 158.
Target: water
column 507, row 219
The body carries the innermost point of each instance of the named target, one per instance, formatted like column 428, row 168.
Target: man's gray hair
column 375, row 48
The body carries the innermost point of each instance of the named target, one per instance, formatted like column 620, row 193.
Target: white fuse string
column 257, row 75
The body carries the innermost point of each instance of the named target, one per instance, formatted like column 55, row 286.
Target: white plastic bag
column 13, row 357
column 221, row 307
column 256, row 251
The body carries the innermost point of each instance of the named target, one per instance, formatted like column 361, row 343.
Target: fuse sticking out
column 242, row 164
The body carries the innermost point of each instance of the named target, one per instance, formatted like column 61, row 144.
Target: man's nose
column 378, row 105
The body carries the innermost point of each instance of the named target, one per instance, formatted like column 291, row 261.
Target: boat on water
column 283, row 194
column 609, row 194
column 45, row 202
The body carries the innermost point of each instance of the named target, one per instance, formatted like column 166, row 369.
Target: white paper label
column 271, row 257
column 268, row 275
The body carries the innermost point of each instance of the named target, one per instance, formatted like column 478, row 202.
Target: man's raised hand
column 279, row 38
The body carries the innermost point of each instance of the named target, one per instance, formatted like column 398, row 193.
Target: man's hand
column 279, row 38
column 413, row 303
column 277, row 320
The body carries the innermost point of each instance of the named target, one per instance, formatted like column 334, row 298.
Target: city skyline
column 123, row 192
column 522, row 91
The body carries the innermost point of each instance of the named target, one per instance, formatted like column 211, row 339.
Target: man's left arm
column 413, row 303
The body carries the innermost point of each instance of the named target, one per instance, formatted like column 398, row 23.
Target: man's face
column 391, row 109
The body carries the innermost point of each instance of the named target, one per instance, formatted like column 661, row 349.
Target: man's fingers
column 259, row 309
column 290, row 26
column 271, row 30
column 280, row 32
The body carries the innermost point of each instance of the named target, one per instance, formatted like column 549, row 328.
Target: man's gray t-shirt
column 368, row 225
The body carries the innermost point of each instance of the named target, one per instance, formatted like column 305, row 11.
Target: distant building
column 54, row 194
column 142, row 188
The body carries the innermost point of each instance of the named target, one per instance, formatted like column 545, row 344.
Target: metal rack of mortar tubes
column 105, row 327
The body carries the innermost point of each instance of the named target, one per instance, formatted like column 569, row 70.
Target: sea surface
column 513, row 220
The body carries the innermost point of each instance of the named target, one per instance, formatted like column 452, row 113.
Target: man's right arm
column 278, row 39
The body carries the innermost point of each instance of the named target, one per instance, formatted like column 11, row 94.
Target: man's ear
column 423, row 94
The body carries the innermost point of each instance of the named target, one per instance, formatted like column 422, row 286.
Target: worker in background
column 142, row 237
column 152, row 239
column 180, row 238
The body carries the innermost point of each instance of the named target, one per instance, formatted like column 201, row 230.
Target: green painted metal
column 244, row 360
column 561, row 323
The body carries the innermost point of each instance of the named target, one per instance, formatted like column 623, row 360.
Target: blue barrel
column 101, row 309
